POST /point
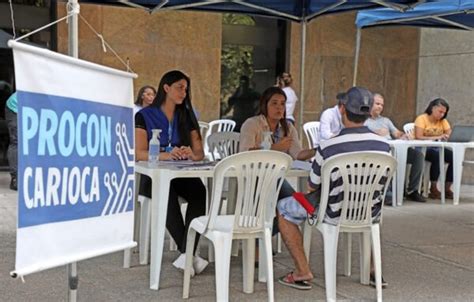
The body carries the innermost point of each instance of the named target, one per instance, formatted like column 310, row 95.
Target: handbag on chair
column 310, row 202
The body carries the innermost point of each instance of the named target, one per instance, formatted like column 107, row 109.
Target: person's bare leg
column 294, row 242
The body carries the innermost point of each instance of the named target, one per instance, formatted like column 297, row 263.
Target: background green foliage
column 236, row 60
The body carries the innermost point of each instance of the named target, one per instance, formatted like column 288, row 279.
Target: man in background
column 331, row 120
column 244, row 102
column 383, row 126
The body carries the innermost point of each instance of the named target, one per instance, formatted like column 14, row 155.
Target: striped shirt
column 348, row 140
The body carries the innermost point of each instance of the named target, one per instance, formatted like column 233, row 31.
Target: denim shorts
column 291, row 210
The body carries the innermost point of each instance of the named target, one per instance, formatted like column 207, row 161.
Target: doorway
column 253, row 53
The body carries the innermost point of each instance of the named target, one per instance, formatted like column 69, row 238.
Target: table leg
column 442, row 175
column 458, row 158
column 394, row 181
column 210, row 246
column 136, row 222
column 136, row 228
column 159, row 207
column 302, row 184
column 401, row 155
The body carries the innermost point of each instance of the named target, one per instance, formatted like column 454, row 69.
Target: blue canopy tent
column 294, row 10
column 455, row 14
column 299, row 10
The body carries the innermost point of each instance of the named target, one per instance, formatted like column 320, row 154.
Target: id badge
column 168, row 149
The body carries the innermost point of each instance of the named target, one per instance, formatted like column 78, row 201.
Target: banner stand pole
column 73, row 282
column 73, row 51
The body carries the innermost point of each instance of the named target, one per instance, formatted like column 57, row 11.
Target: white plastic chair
column 259, row 177
column 217, row 126
column 203, row 127
column 409, row 129
column 223, row 144
column 141, row 227
column 311, row 129
column 361, row 175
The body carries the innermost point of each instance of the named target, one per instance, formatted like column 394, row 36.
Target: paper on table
column 181, row 164
column 201, row 165
column 301, row 165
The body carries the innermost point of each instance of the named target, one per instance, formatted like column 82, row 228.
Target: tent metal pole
column 73, row 29
column 356, row 57
column 302, row 71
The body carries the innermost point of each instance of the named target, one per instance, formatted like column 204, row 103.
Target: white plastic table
column 400, row 150
column 161, row 177
column 459, row 150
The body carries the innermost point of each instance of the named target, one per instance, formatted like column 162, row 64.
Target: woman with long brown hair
column 172, row 112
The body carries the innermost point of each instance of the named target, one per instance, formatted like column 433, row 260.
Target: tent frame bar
column 268, row 10
column 131, row 4
column 239, row 2
column 327, row 8
column 399, row 7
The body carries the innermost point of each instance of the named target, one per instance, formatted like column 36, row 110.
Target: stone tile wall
column 191, row 41
column 446, row 69
column 155, row 44
column 388, row 64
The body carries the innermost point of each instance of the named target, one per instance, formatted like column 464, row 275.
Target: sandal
column 290, row 281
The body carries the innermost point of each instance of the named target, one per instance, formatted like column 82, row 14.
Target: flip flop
column 290, row 281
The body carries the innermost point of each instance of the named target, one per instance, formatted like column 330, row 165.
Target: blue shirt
column 154, row 118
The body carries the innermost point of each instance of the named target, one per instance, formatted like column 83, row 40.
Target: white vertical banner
column 75, row 159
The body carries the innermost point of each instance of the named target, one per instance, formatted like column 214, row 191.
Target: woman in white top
column 284, row 82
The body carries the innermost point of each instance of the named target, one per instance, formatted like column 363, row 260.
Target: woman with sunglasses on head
column 172, row 112
column 432, row 125
column 284, row 136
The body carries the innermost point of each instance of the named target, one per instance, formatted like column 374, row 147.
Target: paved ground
column 428, row 255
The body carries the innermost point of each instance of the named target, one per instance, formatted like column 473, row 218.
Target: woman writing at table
column 172, row 112
column 432, row 125
column 272, row 118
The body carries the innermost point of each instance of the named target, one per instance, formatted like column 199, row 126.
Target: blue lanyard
column 170, row 136
column 170, row 132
